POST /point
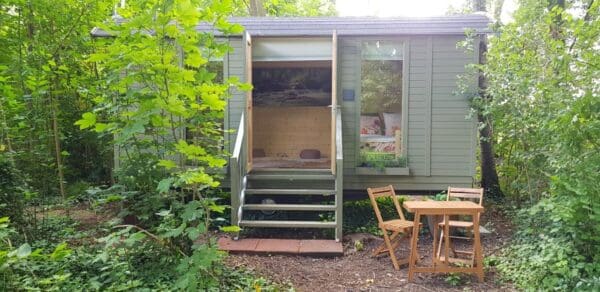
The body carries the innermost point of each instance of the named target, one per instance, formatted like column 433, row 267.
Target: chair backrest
column 387, row 191
column 470, row 194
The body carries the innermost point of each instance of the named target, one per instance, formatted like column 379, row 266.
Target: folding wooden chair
column 475, row 195
column 400, row 228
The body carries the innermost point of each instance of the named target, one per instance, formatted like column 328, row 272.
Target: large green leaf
column 24, row 250
column 87, row 120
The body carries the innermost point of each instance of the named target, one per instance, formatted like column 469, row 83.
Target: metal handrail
column 239, row 140
column 339, row 151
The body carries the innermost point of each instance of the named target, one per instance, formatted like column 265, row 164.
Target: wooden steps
column 321, row 192
column 291, row 177
column 271, row 195
column 289, row 207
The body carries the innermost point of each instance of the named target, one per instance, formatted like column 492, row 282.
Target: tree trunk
column 489, row 175
column 58, row 150
column 257, row 8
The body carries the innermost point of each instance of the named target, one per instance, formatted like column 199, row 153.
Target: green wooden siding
column 237, row 102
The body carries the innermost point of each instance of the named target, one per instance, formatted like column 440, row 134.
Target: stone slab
column 321, row 247
column 286, row 246
column 282, row 246
column 228, row 244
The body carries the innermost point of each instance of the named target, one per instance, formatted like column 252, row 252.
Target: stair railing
column 339, row 175
column 237, row 164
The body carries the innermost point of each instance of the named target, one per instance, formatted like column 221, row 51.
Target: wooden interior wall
column 285, row 131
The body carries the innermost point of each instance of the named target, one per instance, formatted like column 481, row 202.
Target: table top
column 442, row 207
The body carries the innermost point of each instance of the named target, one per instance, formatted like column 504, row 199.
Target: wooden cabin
column 342, row 104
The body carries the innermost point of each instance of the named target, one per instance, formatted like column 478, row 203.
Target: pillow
column 393, row 122
column 310, row 154
column 370, row 125
column 258, row 152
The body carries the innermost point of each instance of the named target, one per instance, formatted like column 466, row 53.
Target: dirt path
column 359, row 271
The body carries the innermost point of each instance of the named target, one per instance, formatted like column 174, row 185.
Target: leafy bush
column 12, row 190
column 549, row 254
column 542, row 92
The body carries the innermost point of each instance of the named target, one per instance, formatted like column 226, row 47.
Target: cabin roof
column 350, row 26
column 323, row 26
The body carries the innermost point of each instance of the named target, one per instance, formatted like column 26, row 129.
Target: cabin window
column 381, row 127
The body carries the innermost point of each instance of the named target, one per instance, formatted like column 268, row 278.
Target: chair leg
column 452, row 246
column 388, row 243
column 439, row 249
column 382, row 247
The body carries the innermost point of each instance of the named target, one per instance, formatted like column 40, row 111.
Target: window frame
column 404, row 111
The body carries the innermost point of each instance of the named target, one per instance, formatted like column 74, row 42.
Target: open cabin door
column 249, row 120
column 333, row 99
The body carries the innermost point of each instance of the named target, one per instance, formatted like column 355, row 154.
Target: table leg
column 477, row 250
column 446, row 239
column 413, row 247
column 436, row 255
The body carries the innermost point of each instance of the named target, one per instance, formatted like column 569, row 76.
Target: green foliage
column 543, row 93
column 299, row 7
column 166, row 178
column 454, row 279
column 12, row 190
column 67, row 101
column 441, row 196
column 381, row 160
column 288, row 7
column 45, row 85
column 556, row 257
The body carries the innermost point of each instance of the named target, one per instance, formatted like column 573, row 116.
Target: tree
column 284, row 7
column 45, row 44
column 542, row 72
column 489, row 175
column 157, row 84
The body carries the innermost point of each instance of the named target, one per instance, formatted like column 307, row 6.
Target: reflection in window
column 381, row 104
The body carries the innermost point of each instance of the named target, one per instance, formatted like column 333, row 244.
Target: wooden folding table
column 444, row 208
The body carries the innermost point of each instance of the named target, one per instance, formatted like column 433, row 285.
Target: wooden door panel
column 333, row 98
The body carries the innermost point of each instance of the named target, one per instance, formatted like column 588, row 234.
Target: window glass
column 381, row 104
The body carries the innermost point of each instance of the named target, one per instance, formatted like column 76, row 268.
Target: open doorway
column 292, row 114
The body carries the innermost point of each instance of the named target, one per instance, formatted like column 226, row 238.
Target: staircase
column 273, row 198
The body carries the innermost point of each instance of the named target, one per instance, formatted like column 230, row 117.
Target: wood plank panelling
column 286, row 131
column 451, row 132
column 428, row 104
column 237, row 101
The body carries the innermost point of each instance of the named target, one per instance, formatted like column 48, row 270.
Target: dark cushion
column 310, row 154
column 258, row 152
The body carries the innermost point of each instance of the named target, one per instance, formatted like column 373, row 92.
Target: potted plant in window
column 377, row 163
